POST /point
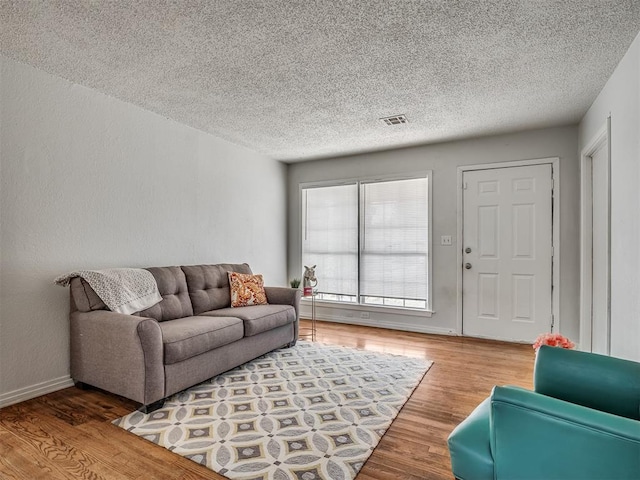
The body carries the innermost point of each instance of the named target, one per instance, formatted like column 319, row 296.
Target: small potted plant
column 295, row 283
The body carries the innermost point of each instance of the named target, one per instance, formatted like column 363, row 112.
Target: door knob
column 467, row 250
column 467, row 266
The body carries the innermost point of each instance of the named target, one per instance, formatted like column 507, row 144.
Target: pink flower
column 553, row 340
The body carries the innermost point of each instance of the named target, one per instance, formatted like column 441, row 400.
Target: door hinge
column 464, row 185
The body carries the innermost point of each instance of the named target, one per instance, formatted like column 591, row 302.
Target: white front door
column 507, row 252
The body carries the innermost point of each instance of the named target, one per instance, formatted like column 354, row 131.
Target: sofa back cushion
column 84, row 297
column 175, row 302
column 209, row 285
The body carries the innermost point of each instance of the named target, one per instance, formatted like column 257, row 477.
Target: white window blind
column 369, row 241
column 330, row 238
column 393, row 257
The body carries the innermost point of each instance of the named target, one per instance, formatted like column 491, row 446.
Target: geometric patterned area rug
column 308, row 412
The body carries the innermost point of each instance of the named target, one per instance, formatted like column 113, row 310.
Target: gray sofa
column 190, row 336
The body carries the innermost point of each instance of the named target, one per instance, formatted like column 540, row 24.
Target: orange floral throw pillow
column 246, row 290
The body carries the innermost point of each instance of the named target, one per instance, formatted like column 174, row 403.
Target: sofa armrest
column 597, row 381
column 286, row 296
column 533, row 436
column 122, row 354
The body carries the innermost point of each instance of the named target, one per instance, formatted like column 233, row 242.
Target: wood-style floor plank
column 68, row 434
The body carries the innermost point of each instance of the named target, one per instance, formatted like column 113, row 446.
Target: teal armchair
column 582, row 422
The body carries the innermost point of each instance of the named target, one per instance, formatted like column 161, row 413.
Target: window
column 330, row 239
column 370, row 241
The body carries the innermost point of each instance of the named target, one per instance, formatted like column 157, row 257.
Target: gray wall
column 87, row 182
column 443, row 160
column 620, row 98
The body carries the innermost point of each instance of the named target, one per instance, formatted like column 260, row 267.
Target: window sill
column 369, row 308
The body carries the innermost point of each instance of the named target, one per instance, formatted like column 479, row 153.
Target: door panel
column 523, row 229
column 523, row 298
column 488, row 227
column 488, row 296
column 507, row 225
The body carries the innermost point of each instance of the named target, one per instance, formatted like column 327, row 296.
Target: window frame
column 428, row 174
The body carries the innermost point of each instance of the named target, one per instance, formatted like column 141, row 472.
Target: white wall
column 443, row 160
column 88, row 181
column 620, row 98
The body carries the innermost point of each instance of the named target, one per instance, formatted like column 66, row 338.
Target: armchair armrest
column 120, row 353
column 597, row 381
column 534, row 436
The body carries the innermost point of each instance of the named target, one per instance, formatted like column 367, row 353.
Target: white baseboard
column 33, row 391
column 390, row 325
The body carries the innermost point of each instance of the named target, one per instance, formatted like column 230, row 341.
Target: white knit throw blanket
column 123, row 290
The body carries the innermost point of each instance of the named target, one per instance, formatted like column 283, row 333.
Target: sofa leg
column 152, row 407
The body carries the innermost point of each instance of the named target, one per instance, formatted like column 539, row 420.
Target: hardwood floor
column 68, row 434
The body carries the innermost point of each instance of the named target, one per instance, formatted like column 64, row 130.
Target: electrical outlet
column 445, row 240
column 364, row 314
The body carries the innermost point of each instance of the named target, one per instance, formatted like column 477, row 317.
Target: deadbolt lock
column 467, row 250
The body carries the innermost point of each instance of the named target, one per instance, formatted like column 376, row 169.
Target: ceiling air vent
column 395, row 120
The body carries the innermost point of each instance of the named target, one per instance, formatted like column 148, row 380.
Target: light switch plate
column 445, row 240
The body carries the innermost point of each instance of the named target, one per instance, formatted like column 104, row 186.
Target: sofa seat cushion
column 258, row 318
column 187, row 337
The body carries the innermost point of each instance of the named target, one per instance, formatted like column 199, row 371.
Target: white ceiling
column 298, row 80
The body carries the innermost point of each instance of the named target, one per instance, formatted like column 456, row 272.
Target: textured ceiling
column 306, row 79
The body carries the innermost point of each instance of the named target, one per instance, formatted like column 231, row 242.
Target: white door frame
column 586, row 235
column 555, row 240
